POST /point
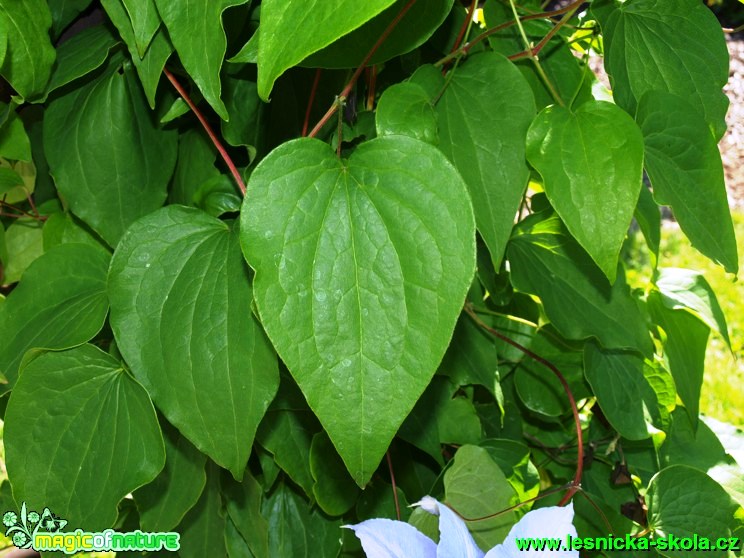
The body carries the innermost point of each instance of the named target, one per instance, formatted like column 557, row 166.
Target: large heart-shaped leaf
column 483, row 134
column 108, row 159
column 291, row 31
column 592, row 164
column 80, row 435
column 60, row 303
column 181, row 314
column 362, row 266
column 668, row 45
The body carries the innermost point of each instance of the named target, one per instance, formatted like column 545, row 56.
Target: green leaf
column 203, row 528
column 697, row 447
column 475, row 486
column 11, row 186
column 28, row 62
column 684, row 346
column 80, row 434
column 648, row 216
column 684, row 164
column 218, row 196
column 295, row 529
column 685, row 502
column 618, row 381
column 60, row 303
column 592, row 163
column 14, row 142
column 195, row 167
column 244, row 511
column 334, row 490
column 577, row 297
column 674, row 46
column 313, row 24
column 195, row 28
column 181, row 315
column 416, row 26
column 163, row 503
column 3, row 253
column 63, row 228
column 80, row 55
column 471, row 358
column 24, row 244
column 513, row 458
column 687, row 289
column 483, row 135
column 145, row 22
column 64, row 12
column 150, row 66
column 369, row 259
column 108, row 159
column 377, row 500
column 406, row 109
column 246, row 111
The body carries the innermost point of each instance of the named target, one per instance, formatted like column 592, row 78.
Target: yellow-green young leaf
column 61, row 302
column 476, row 487
column 24, row 243
column 163, row 503
column 181, row 315
column 30, row 55
column 145, row 22
column 150, row 65
column 592, row 163
column 675, row 46
column 109, row 160
column 362, row 266
column 291, row 31
column 685, row 502
column 80, row 435
column 684, row 165
column 14, row 142
column 483, row 134
column 195, row 28
column 578, row 299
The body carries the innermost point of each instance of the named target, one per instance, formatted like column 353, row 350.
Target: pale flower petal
column 553, row 522
column 455, row 541
column 385, row 538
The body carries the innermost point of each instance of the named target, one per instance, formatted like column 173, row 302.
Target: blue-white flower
column 384, row 538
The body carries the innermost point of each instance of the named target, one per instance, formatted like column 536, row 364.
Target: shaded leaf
column 78, row 422
column 163, row 503
column 406, row 109
column 334, row 490
column 675, row 46
column 108, row 159
column 203, row 528
column 60, row 303
column 244, row 512
column 684, row 164
column 24, row 243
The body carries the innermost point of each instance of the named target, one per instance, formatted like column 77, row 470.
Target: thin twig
column 395, row 488
column 311, row 100
column 561, row 378
column 208, row 129
column 465, row 25
column 349, row 86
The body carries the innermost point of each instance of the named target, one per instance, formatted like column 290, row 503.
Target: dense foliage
column 401, row 274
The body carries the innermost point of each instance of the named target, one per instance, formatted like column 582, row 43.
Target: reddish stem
column 539, row 46
column 349, row 86
column 371, row 85
column 395, row 488
column 208, row 129
column 464, row 27
column 561, row 378
column 310, row 101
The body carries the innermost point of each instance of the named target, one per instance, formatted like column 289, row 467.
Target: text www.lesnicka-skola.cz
column 629, row 542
